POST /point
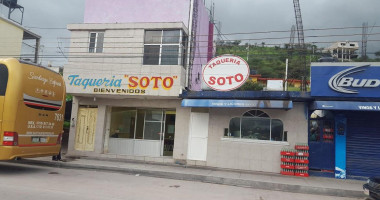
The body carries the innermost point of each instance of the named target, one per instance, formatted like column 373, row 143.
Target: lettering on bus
column 44, row 80
column 40, row 125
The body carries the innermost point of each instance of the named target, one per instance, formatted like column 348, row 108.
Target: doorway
column 322, row 141
column 169, row 133
column 86, row 126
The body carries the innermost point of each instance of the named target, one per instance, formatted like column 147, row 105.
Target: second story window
column 164, row 47
column 96, row 42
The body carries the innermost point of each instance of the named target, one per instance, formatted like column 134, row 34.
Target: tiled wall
column 256, row 156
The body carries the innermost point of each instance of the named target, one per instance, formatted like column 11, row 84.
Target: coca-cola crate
column 287, row 166
column 301, row 161
column 302, row 174
column 330, row 130
column 301, row 167
column 304, row 154
column 288, row 153
column 328, row 136
column 291, row 160
column 298, row 147
column 289, row 173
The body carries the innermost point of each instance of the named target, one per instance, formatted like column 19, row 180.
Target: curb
column 207, row 179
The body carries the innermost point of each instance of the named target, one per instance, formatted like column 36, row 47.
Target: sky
column 49, row 18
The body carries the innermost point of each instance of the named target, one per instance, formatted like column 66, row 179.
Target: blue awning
column 345, row 105
column 220, row 103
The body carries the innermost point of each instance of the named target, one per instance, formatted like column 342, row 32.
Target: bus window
column 3, row 79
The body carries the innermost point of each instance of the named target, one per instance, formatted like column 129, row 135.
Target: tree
column 251, row 86
column 377, row 53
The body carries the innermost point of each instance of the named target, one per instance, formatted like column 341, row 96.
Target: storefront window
column 123, row 123
column 135, row 123
column 256, row 125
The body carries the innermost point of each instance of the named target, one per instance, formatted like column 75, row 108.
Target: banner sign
column 345, row 105
column 346, row 80
column 225, row 73
column 122, row 84
column 217, row 103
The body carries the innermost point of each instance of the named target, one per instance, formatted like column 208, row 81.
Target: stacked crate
column 287, row 161
column 301, row 160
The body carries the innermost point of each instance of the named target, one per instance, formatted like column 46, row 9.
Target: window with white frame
column 96, row 42
column 164, row 47
column 256, row 125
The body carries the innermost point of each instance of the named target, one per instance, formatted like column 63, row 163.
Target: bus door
column 86, row 126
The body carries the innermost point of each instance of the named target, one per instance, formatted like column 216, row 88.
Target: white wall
column 256, row 156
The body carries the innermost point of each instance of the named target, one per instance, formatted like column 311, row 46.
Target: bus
column 32, row 107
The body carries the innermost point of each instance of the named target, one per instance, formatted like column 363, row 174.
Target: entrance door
column 321, row 144
column 198, row 136
column 85, row 133
column 169, row 133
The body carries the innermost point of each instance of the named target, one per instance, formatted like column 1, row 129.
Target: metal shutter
column 363, row 144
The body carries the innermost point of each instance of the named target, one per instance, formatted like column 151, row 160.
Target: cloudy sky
column 49, row 18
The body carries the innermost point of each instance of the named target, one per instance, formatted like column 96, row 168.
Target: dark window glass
column 255, row 113
column 3, row 79
column 92, row 43
column 255, row 128
column 234, row 128
column 99, row 43
column 152, row 131
column 123, row 122
column 151, row 54
column 153, row 37
column 96, row 42
column 257, row 125
column 315, row 130
column 153, row 115
column 140, row 124
column 171, row 37
column 169, row 55
column 277, row 130
column 164, row 47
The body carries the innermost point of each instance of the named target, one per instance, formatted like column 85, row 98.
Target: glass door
column 169, row 132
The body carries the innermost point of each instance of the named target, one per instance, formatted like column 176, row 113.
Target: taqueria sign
column 225, row 73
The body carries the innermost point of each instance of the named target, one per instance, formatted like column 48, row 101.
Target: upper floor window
column 96, row 42
column 256, row 125
column 164, row 47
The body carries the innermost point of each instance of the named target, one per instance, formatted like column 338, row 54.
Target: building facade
column 13, row 39
column 344, row 132
column 126, row 72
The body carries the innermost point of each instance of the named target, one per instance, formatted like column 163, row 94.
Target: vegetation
column 270, row 61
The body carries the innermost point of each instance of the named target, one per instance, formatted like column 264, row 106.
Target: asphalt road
column 26, row 182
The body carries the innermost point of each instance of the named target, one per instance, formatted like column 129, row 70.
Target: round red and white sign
column 226, row 72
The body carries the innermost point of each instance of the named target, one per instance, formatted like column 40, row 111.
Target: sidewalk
column 257, row 180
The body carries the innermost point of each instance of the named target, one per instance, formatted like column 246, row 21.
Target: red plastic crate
column 301, row 167
column 330, row 130
column 301, row 161
column 287, row 166
column 305, row 154
column 301, row 174
column 291, row 160
column 287, row 173
column 301, row 147
column 326, row 136
column 285, row 153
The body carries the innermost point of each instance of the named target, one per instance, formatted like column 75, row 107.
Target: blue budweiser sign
column 345, row 79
